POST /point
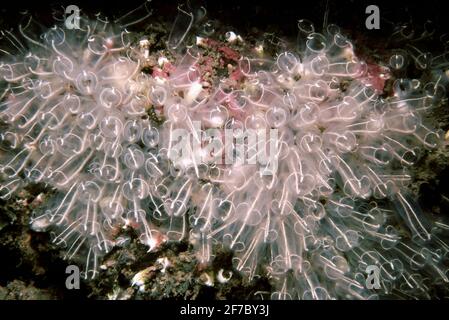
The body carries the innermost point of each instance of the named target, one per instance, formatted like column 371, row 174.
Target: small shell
column 207, row 279
column 230, row 36
column 139, row 280
column 224, row 276
column 200, row 41
column 165, row 263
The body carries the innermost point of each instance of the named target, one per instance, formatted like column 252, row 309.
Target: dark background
column 251, row 13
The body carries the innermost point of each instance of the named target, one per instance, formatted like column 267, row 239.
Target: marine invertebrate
column 329, row 199
column 75, row 102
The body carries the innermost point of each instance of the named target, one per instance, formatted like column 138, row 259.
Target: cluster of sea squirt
column 331, row 198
